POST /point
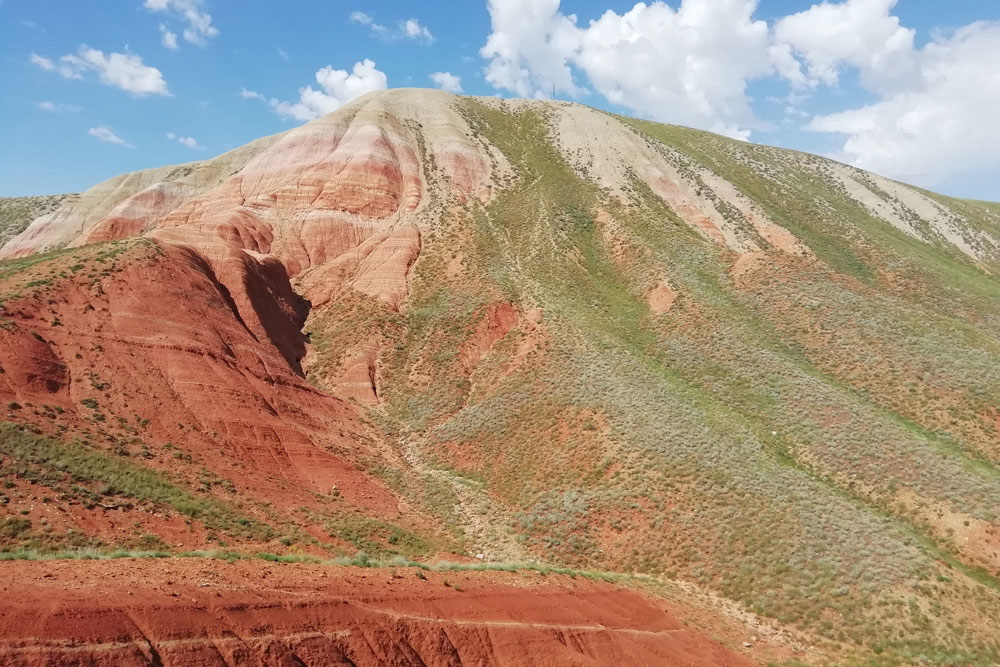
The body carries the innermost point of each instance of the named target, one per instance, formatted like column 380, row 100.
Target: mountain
column 427, row 325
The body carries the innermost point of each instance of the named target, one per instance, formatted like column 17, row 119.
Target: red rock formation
column 135, row 214
column 332, row 201
column 214, row 369
column 196, row 613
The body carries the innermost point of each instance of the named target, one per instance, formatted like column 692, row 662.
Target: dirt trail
column 205, row 612
column 484, row 526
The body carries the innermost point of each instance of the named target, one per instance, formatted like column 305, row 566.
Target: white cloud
column 857, row 33
column 199, row 22
column 367, row 20
column 337, row 87
column 42, row 62
column 121, row 70
column 447, row 81
column 107, row 135
column 282, row 53
column 530, row 46
column 168, row 39
column 690, row 65
column 940, row 122
column 408, row 29
column 53, row 107
column 251, row 95
column 190, row 142
column 412, row 29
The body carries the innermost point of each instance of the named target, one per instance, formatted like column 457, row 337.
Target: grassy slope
column 713, row 443
column 16, row 213
column 80, row 474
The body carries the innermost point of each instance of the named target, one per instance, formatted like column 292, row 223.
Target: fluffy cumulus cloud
column 530, row 47
column 447, row 81
column 689, row 65
column 337, row 87
column 938, row 122
column 168, row 38
column 199, row 22
column 121, row 70
column 190, row 142
column 857, row 33
column 935, row 105
column 108, row 136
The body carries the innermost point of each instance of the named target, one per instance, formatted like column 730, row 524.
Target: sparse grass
column 359, row 560
column 16, row 213
column 92, row 476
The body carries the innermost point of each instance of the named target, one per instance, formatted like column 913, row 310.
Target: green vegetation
column 82, row 474
column 36, row 275
column 16, row 213
column 361, row 559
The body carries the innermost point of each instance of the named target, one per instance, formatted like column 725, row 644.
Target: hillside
column 388, row 618
column 16, row 213
column 426, row 326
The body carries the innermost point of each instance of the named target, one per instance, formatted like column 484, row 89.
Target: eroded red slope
column 148, row 343
column 196, row 612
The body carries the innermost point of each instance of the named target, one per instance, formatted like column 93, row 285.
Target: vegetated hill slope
column 16, row 213
column 574, row 337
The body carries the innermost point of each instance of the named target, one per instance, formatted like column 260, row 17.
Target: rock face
column 338, row 198
column 334, row 204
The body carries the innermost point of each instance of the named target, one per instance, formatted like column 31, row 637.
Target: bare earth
column 210, row 612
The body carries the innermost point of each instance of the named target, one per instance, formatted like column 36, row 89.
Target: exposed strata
column 214, row 613
column 216, row 370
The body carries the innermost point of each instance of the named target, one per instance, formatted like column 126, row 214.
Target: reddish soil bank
column 161, row 341
column 206, row 612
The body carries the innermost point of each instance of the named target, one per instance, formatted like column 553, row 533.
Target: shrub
column 14, row 527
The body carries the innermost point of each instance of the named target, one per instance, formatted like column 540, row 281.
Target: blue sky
column 64, row 128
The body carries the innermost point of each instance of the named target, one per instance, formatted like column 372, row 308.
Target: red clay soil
column 208, row 612
column 497, row 321
column 215, row 370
